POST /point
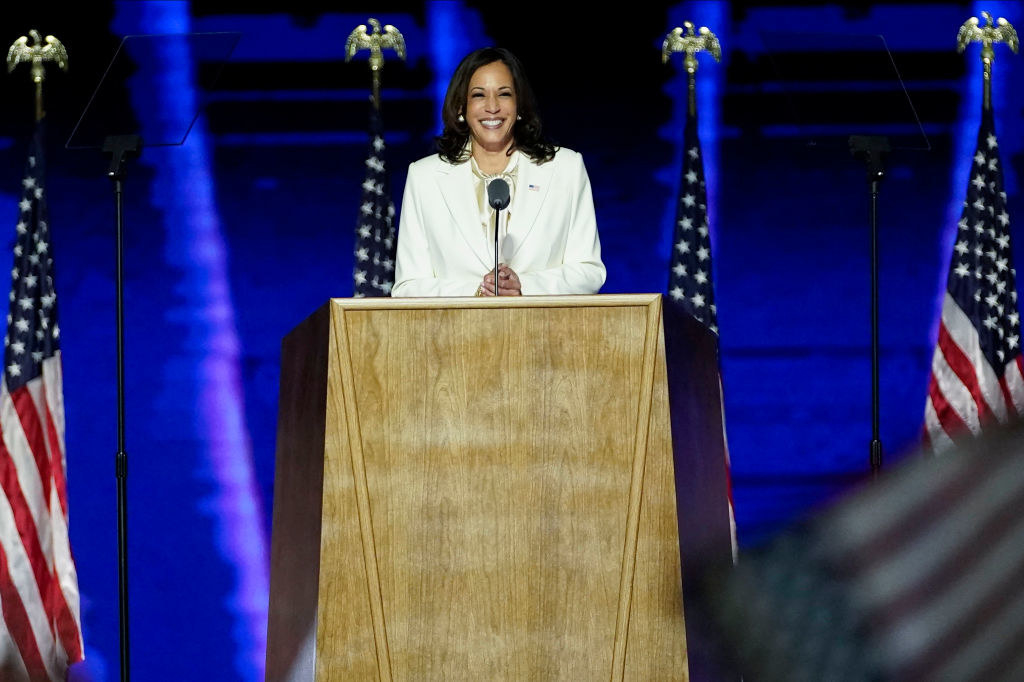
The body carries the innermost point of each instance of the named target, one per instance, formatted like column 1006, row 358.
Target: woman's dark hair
column 526, row 132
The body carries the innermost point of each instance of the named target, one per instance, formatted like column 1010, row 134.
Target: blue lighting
column 204, row 380
column 454, row 32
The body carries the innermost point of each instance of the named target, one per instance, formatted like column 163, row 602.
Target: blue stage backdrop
column 237, row 235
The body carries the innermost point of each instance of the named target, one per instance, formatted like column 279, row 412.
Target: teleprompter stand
column 869, row 112
column 872, row 149
column 109, row 125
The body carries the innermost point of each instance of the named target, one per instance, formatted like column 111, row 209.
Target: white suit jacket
column 552, row 242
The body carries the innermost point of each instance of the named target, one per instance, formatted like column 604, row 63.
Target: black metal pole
column 120, row 148
column 121, row 459
column 497, row 212
column 872, row 149
column 876, row 441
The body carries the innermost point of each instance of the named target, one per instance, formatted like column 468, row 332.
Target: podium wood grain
column 497, row 491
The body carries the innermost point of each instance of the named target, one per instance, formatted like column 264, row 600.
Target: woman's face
column 491, row 107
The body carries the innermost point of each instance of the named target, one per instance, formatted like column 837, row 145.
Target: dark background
column 234, row 237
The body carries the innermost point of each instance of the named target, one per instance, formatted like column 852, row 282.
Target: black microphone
column 498, row 194
column 498, row 197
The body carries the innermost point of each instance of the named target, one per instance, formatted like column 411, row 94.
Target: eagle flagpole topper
column 375, row 42
column 1000, row 31
column 50, row 50
column 685, row 39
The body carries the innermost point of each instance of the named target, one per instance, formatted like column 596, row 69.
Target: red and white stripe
column 39, row 598
column 931, row 561
column 964, row 394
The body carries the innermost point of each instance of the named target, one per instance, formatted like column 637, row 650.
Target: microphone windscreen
column 498, row 194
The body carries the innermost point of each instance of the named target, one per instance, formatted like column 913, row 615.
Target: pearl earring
column 518, row 117
column 462, row 119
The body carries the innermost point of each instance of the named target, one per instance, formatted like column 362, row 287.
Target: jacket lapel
column 532, row 188
column 456, row 185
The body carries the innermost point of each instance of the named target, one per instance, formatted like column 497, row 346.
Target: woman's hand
column 508, row 282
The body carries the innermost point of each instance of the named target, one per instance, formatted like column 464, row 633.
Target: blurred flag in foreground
column 918, row 577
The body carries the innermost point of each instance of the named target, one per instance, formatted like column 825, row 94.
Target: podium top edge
column 597, row 300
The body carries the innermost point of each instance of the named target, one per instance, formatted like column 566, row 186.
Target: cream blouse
column 481, row 180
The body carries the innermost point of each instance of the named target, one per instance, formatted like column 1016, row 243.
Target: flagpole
column 979, row 309
column 32, row 362
column 373, row 273
column 690, row 294
column 690, row 282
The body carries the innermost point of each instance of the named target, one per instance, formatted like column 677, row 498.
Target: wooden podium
column 476, row 489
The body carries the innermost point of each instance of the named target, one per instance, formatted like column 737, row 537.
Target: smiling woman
column 490, row 115
column 548, row 236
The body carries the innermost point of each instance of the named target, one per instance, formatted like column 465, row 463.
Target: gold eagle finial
column 376, row 41
column 987, row 35
column 38, row 53
column 1001, row 31
column 359, row 39
column 685, row 39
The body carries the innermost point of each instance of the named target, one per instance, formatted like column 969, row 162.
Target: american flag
column 40, row 632
column 977, row 366
column 689, row 280
column 374, row 272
